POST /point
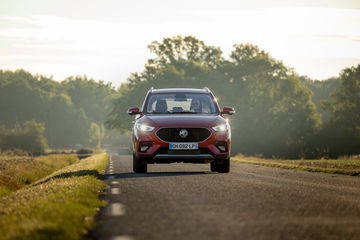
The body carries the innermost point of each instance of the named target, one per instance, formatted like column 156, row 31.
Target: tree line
column 279, row 113
column 60, row 114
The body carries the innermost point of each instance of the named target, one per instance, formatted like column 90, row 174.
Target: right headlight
column 221, row 127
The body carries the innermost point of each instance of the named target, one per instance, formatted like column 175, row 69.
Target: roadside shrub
column 28, row 137
column 84, row 153
column 15, row 152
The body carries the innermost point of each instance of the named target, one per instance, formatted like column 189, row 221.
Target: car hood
column 182, row 120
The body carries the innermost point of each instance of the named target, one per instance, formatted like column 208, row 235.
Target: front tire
column 224, row 167
column 213, row 166
column 138, row 165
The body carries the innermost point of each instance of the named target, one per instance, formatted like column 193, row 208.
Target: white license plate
column 183, row 146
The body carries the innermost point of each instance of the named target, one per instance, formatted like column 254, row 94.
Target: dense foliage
column 28, row 137
column 341, row 134
column 66, row 110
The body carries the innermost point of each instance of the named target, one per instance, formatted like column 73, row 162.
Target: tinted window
column 179, row 103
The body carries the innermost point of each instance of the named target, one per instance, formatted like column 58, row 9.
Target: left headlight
column 221, row 127
column 144, row 127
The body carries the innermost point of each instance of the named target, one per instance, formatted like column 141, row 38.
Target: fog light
column 144, row 146
column 222, row 146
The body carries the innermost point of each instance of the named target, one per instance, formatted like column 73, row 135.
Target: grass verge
column 60, row 206
column 19, row 171
column 340, row 166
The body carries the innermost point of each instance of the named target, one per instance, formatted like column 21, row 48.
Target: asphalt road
column 187, row 201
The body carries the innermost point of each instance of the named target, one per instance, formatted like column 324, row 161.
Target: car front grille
column 173, row 134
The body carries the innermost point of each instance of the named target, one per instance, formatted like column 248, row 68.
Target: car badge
column 183, row 133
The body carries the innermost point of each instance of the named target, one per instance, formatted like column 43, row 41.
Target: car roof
column 180, row 90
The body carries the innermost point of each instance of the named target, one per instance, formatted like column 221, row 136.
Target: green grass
column 19, row 171
column 60, row 206
column 4, row 190
column 340, row 166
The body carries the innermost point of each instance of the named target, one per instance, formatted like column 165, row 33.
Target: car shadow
column 114, row 175
column 151, row 174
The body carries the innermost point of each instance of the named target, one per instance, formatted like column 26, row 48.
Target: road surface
column 187, row 201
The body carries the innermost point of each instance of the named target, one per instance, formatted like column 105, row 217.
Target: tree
column 28, row 137
column 342, row 133
column 275, row 115
column 94, row 98
column 345, row 103
column 321, row 91
column 179, row 62
column 32, row 97
column 97, row 134
column 189, row 49
column 66, row 124
column 275, row 112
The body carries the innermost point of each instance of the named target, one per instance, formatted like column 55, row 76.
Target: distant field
column 19, row 171
column 60, row 206
column 341, row 166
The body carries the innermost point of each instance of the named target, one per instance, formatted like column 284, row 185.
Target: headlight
column 144, row 128
column 221, row 127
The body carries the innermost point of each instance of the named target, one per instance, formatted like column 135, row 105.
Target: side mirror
column 228, row 110
column 133, row 111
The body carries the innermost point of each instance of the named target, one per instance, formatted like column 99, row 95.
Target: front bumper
column 183, row 156
column 158, row 150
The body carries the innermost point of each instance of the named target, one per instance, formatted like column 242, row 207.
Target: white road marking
column 116, row 209
column 115, row 191
column 122, row 238
column 115, row 182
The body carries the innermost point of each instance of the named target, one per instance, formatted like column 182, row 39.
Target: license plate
column 183, row 146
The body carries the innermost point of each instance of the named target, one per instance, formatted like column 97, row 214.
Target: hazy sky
column 107, row 39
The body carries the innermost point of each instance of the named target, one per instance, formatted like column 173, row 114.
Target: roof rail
column 207, row 89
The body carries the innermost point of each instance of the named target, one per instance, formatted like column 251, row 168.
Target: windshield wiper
column 159, row 112
column 184, row 112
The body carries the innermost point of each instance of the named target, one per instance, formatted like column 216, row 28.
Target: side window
column 206, row 107
column 152, row 107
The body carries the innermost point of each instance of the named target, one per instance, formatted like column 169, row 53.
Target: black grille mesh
column 174, row 152
column 172, row 134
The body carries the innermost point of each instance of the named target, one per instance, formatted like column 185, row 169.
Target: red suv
column 181, row 125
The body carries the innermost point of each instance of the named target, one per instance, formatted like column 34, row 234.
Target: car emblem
column 183, row 133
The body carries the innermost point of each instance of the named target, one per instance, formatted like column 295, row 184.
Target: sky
column 107, row 39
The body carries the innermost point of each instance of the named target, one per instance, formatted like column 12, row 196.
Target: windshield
column 180, row 103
